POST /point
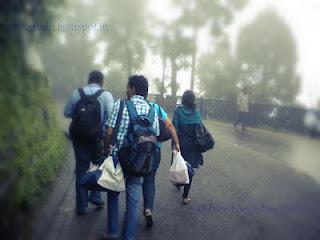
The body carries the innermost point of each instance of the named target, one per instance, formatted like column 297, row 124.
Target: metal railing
column 261, row 115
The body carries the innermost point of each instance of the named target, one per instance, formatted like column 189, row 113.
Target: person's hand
column 176, row 147
column 107, row 150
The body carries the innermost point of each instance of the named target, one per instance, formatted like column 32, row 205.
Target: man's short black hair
column 140, row 83
column 95, row 77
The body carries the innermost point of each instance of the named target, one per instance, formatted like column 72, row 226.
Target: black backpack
column 204, row 140
column 86, row 123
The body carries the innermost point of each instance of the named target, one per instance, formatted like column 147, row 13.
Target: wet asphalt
column 256, row 184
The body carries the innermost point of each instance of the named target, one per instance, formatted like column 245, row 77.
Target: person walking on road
column 89, row 108
column 243, row 107
column 185, row 120
column 137, row 92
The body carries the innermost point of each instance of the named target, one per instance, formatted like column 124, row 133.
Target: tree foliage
column 126, row 35
column 31, row 145
column 198, row 14
column 217, row 73
column 267, row 58
column 68, row 63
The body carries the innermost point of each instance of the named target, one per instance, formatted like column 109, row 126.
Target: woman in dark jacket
column 185, row 119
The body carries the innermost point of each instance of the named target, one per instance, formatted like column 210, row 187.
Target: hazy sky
column 302, row 16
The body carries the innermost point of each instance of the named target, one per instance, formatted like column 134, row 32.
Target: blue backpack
column 141, row 147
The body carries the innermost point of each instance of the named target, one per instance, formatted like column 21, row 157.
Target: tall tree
column 267, row 57
column 197, row 14
column 164, row 53
column 217, row 73
column 126, row 33
column 174, row 49
column 159, row 46
column 68, row 62
column 178, row 49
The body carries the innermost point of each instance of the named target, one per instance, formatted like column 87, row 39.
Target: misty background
column 213, row 47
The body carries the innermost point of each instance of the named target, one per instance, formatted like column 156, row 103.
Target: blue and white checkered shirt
column 142, row 108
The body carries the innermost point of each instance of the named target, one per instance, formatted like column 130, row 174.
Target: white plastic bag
column 111, row 178
column 178, row 170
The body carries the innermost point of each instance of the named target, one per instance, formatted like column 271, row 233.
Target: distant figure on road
column 312, row 123
column 89, row 108
column 148, row 185
column 243, row 107
column 185, row 120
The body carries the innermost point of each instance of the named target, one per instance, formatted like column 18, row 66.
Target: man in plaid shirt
column 142, row 108
column 137, row 92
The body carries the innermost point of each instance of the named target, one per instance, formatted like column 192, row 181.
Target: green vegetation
column 126, row 34
column 68, row 55
column 264, row 58
column 265, row 62
column 197, row 14
column 269, row 67
column 217, row 73
column 31, row 145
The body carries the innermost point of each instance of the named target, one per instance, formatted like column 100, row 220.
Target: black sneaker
column 148, row 217
column 97, row 202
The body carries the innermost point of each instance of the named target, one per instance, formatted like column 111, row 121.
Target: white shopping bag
column 178, row 170
column 111, row 178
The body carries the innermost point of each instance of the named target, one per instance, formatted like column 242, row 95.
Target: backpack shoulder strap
column 151, row 114
column 119, row 116
column 157, row 109
column 81, row 92
column 160, row 115
column 133, row 114
column 98, row 93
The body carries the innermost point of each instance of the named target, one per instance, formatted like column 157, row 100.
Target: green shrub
column 31, row 144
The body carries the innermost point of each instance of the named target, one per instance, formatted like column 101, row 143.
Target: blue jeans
column 148, row 185
column 133, row 191
column 84, row 154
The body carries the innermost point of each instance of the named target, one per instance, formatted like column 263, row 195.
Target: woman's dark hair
column 96, row 77
column 140, row 83
column 188, row 99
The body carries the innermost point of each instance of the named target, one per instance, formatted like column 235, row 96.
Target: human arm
column 70, row 107
column 108, row 106
column 171, row 129
column 107, row 141
column 175, row 121
column 111, row 123
column 174, row 135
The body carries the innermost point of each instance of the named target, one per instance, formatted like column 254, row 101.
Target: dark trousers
column 243, row 118
column 148, row 185
column 84, row 154
column 187, row 187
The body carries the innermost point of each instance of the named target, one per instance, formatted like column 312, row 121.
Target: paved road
column 254, row 185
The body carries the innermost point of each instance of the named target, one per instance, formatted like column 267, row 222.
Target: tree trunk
column 173, row 78
column 164, row 66
column 193, row 69
column 194, row 60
